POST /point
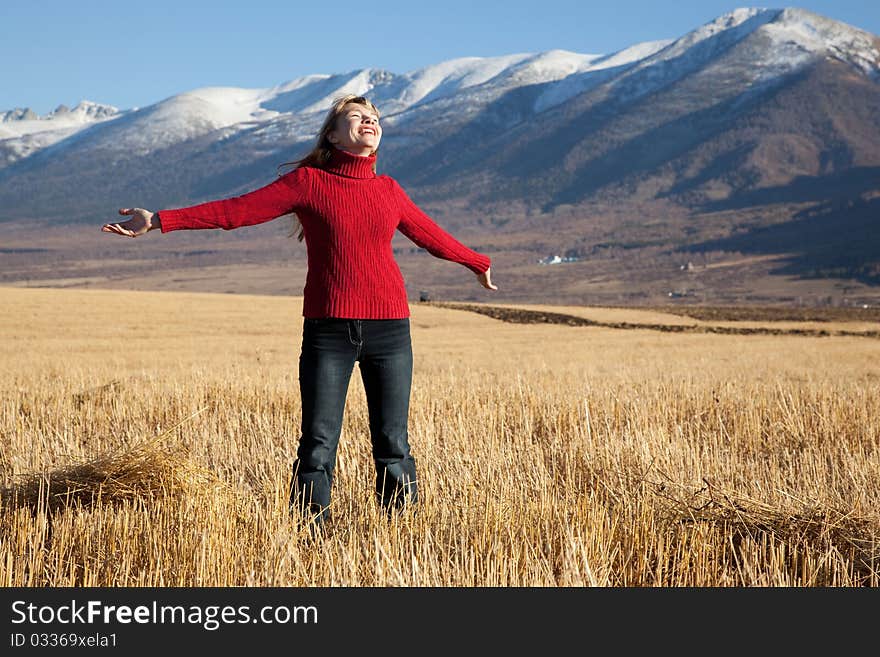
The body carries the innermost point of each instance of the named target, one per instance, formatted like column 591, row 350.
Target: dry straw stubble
column 548, row 455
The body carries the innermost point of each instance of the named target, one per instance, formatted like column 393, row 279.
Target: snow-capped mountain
column 24, row 132
column 18, row 122
column 667, row 117
column 296, row 106
column 754, row 98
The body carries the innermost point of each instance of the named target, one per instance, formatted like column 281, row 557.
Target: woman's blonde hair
column 320, row 154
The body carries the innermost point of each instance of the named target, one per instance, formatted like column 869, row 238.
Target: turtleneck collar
column 351, row 165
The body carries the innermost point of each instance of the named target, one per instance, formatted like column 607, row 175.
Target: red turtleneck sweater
column 348, row 215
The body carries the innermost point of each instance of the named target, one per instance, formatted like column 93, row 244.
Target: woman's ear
column 332, row 138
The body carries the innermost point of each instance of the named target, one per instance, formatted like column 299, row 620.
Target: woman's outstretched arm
column 280, row 197
column 425, row 232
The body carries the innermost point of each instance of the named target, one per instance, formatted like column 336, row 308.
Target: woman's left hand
column 486, row 280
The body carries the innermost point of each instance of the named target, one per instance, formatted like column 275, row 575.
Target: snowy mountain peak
column 23, row 132
column 719, row 33
column 314, row 93
column 819, row 35
column 762, row 45
column 735, row 18
column 552, row 65
column 445, row 78
column 18, row 114
column 84, row 111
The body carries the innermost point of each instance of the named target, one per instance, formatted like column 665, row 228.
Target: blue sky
column 132, row 54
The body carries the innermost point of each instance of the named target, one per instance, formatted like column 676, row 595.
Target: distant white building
column 556, row 259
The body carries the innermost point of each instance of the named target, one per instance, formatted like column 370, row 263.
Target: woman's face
column 357, row 130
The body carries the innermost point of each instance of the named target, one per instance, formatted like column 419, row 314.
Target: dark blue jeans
column 330, row 348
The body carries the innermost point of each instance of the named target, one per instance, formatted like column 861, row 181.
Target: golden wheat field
column 147, row 440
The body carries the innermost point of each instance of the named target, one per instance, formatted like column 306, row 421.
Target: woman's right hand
column 141, row 222
column 486, row 280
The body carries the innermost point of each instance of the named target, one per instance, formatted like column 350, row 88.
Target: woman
column 355, row 305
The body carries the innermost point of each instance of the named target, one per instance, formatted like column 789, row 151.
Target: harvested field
column 149, row 442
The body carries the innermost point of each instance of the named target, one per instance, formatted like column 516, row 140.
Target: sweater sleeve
column 424, row 232
column 279, row 197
